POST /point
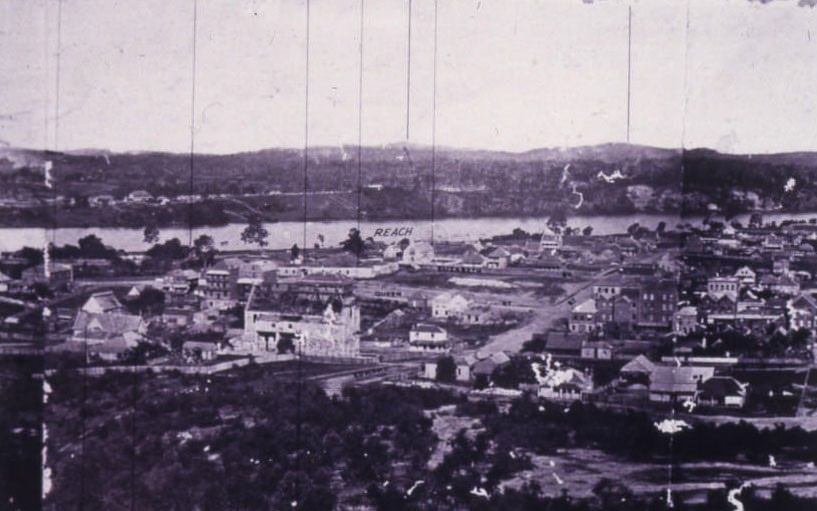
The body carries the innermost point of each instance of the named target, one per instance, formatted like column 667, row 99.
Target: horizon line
column 403, row 144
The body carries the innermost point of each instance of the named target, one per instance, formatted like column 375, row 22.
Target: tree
column 588, row 231
column 660, row 228
column 151, row 234
column 255, row 232
column 294, row 252
column 354, row 243
column 557, row 221
column 204, row 247
column 446, row 369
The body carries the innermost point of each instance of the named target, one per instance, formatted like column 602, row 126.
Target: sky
column 733, row 75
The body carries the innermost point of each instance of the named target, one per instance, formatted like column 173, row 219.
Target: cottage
column 102, row 302
column 746, row 275
column 447, row 306
column 195, row 351
column 722, row 391
column 428, row 337
column 637, row 370
column 565, row 385
column 802, row 312
column 685, row 320
column 670, row 383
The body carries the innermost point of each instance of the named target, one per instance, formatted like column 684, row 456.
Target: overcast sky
column 510, row 75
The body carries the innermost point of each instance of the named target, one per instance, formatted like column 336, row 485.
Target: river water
column 283, row 235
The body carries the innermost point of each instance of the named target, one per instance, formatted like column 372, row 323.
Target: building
column 59, row 275
column 671, row 384
column 637, row 370
column 723, row 286
column 449, row 306
column 565, row 385
column 428, row 337
column 417, row 253
column 311, row 316
column 685, row 320
column 746, row 276
column 345, row 265
column 597, row 350
column 550, row 240
column 722, row 391
column 802, row 312
column 583, row 317
column 103, row 302
column 219, row 286
column 139, row 196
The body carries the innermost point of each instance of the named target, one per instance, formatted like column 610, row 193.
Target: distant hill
column 397, row 180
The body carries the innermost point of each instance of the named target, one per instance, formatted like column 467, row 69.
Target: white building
column 427, row 337
column 447, row 306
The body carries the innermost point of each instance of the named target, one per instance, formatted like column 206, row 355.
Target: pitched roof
column 110, row 323
column 721, row 386
column 105, row 301
column 639, row 365
column 586, row 307
column 678, row 379
column 427, row 328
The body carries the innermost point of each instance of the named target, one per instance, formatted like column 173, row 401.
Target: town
column 711, row 323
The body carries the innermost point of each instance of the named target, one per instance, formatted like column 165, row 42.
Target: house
column 113, row 349
column 464, row 365
column 417, row 253
column 99, row 201
column 58, row 275
column 786, row 284
column 722, row 391
column 429, row 370
column 772, row 242
column 564, row 344
column 498, row 258
column 583, row 317
column 446, row 305
column 670, row 383
column 564, row 385
column 723, row 286
column 139, row 196
column 103, row 302
column 780, row 265
column 746, row 276
column 485, row 365
column 685, row 320
column 802, row 312
column 637, row 370
column 199, row 350
column 550, row 240
column 428, row 337
column 99, row 328
column 597, row 350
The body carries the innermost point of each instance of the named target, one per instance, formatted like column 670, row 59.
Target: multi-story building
column 308, row 316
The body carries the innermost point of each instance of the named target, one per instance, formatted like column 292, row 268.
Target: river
column 283, row 235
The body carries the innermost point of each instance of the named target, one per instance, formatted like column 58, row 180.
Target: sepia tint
column 408, row 255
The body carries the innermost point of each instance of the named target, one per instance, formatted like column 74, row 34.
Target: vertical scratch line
column 360, row 122
column 629, row 63
column 306, row 130
column 684, row 105
column 192, row 128
column 434, row 126
column 408, row 73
